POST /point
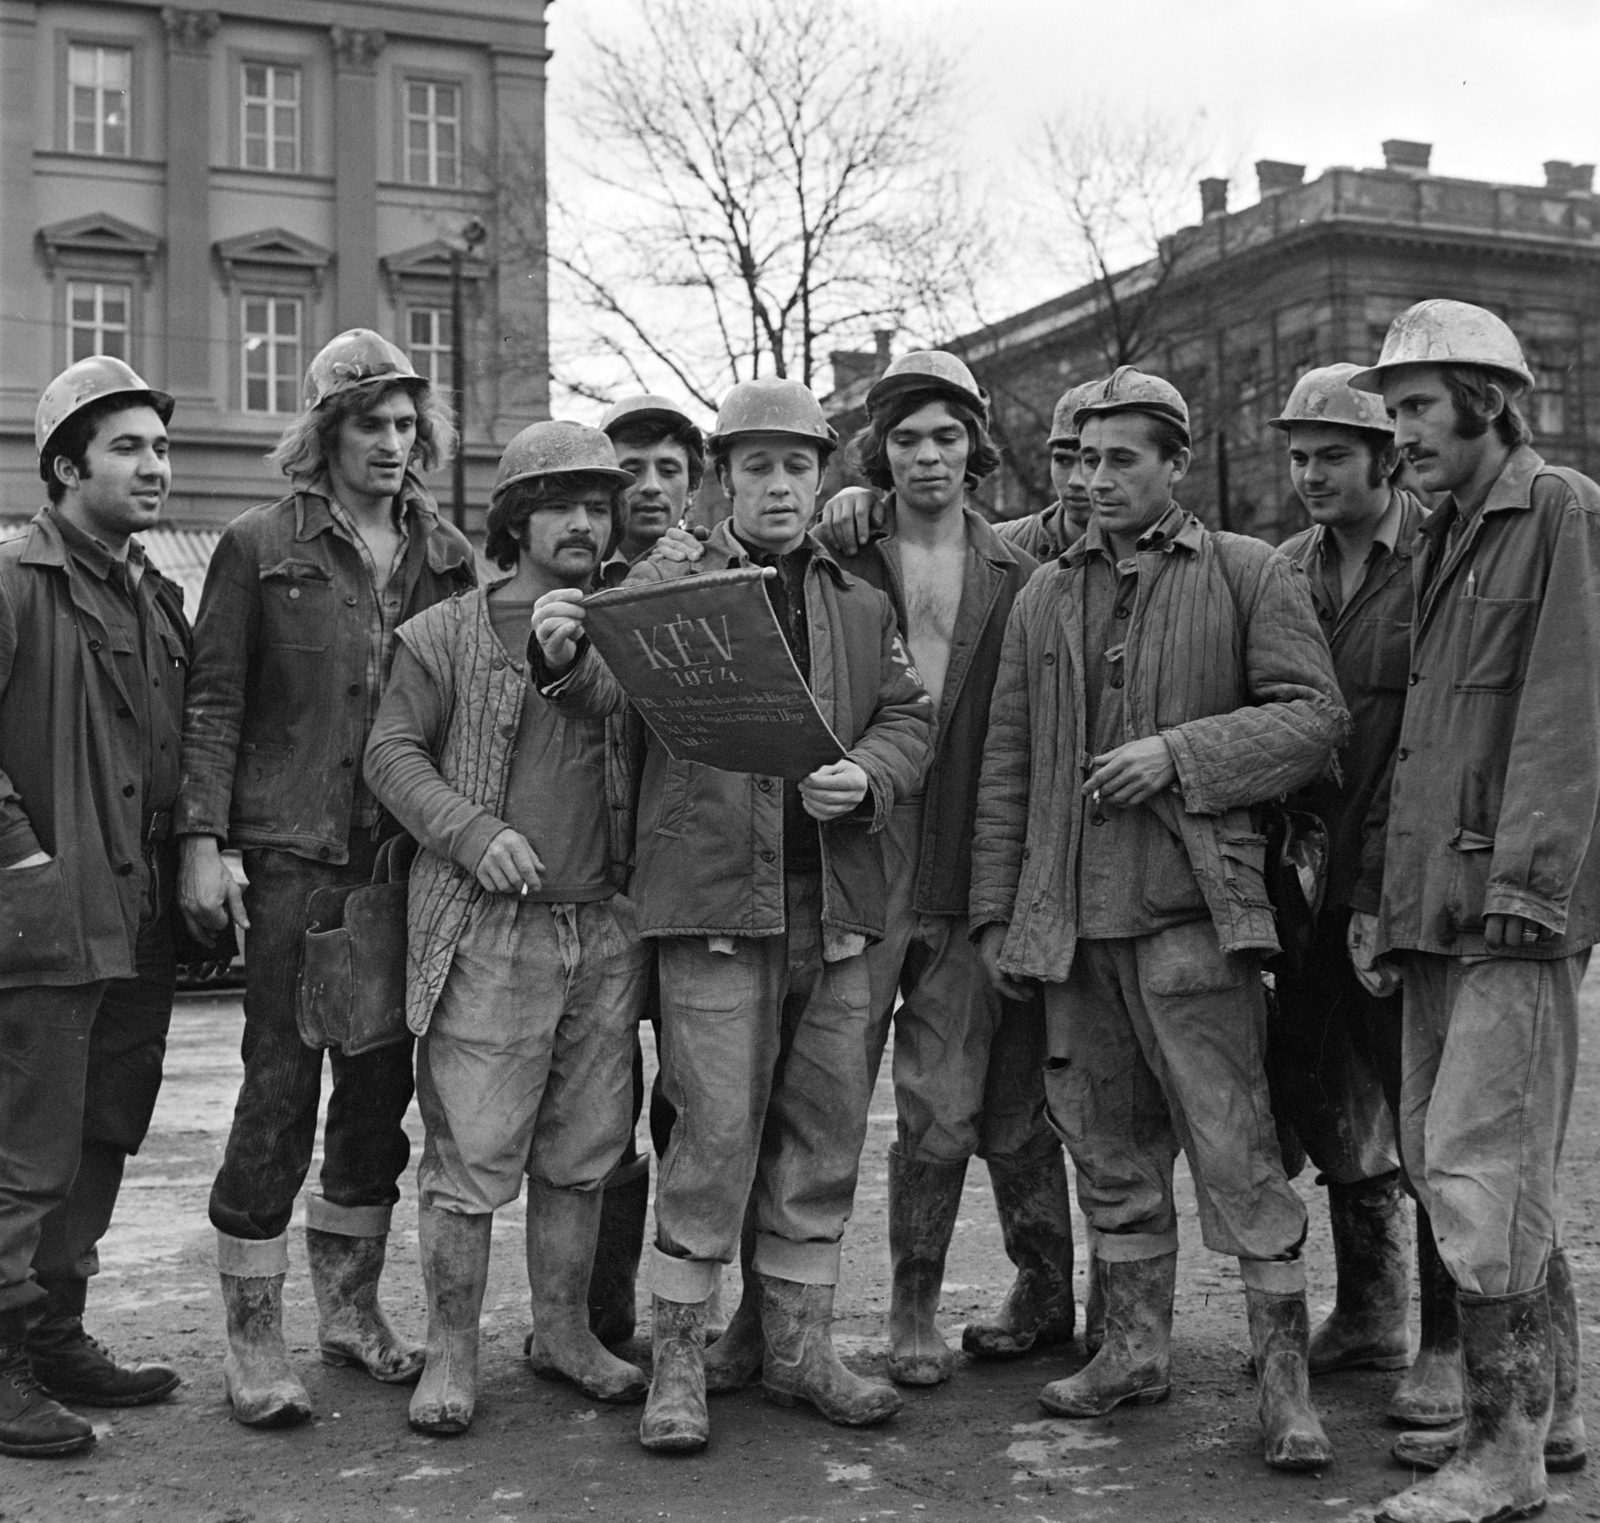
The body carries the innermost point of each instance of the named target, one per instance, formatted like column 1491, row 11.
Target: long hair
column 509, row 515
column 303, row 451
column 871, row 446
column 1468, row 386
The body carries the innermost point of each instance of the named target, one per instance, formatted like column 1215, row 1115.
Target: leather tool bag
column 353, row 974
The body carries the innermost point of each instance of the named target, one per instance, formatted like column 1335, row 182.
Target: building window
column 99, row 80
column 270, row 131
column 433, row 133
column 430, row 338
column 1549, row 399
column 97, row 319
column 272, row 331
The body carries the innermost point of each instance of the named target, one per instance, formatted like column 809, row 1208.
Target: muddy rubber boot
column 802, row 1364
column 734, row 1359
column 1292, row 1437
column 563, row 1228
column 1134, row 1363
column 1429, row 1393
column 33, row 1424
column 1565, row 1445
column 1498, row 1472
column 345, row 1268
column 1035, row 1211
column 1367, row 1327
column 262, row 1386
column 612, row 1295
column 1094, row 1305
column 675, row 1419
column 924, row 1198
column 455, row 1271
column 72, row 1366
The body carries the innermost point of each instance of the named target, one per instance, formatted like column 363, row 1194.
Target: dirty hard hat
column 1129, row 390
column 773, row 406
column 1447, row 333
column 1063, row 422
column 550, row 449
column 89, row 381
column 930, row 370
column 650, row 408
column 357, row 357
column 1325, row 395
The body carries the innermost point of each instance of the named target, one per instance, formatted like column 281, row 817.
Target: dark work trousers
column 1333, row 1055
column 365, row 1147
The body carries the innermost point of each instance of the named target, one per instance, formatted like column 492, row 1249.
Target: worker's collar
column 94, row 555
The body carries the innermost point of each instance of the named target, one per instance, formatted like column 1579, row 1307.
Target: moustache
column 580, row 542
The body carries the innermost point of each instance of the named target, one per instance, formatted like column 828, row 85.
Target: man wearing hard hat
column 1157, row 681
column 1044, row 535
column 663, row 451
column 528, row 973
column 93, row 651
column 293, row 643
column 1491, row 891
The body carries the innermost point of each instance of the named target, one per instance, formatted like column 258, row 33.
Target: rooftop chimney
column 1274, row 175
column 1567, row 179
column 882, row 338
column 1406, row 158
column 1213, row 199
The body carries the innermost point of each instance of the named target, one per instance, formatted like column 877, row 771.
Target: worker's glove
column 1379, row 976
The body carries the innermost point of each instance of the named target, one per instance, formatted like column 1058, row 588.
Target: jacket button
column 509, row 731
column 497, row 665
column 94, row 645
column 324, row 852
column 1116, row 682
column 1415, row 678
column 1049, row 658
column 1402, row 753
column 764, row 784
column 350, row 600
column 1121, row 613
column 769, row 856
column 347, row 761
column 124, row 869
column 355, row 689
column 124, row 712
column 294, row 592
column 127, row 790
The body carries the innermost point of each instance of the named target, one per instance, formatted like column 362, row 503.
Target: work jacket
column 710, row 843
column 1042, row 535
column 1370, row 637
column 276, row 724
column 1496, row 798
column 65, row 786
column 1225, row 660
column 995, row 573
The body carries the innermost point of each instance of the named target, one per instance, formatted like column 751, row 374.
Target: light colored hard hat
column 770, row 405
column 357, row 357
column 1325, row 395
column 650, row 408
column 1063, row 422
column 933, row 370
column 1128, row 389
column 88, row 381
column 1446, row 333
column 549, row 449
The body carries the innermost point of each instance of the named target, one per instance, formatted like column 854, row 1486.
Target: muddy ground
column 979, row 1447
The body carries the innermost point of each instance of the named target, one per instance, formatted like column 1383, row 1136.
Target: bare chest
column 933, row 582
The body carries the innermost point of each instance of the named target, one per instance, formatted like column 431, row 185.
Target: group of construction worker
column 1083, row 753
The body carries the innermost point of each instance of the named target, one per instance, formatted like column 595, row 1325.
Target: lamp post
column 472, row 234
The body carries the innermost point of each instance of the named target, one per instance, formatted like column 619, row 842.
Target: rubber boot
column 1094, row 1305
column 612, row 1294
column 563, row 1229
column 33, row 1425
column 72, row 1366
column 1367, row 1327
column 1292, row 1437
column 1498, row 1472
column 1134, row 1363
column 455, row 1272
column 262, row 1386
column 802, row 1364
column 1565, row 1445
column 924, row 1199
column 1035, row 1211
column 734, row 1360
column 351, row 1326
column 675, row 1419
column 1429, row 1394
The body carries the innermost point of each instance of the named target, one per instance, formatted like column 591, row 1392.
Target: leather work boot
column 1498, row 1472
column 1134, row 1363
column 924, row 1199
column 351, row 1326
column 1035, row 1211
column 1094, row 1305
column 1367, row 1327
column 563, row 1227
column 1292, row 1437
column 625, row 1201
column 1429, row 1393
column 72, row 1366
column 802, row 1364
column 675, row 1420
column 32, row 1423
column 733, row 1360
column 262, row 1386
column 455, row 1271
column 1565, row 1445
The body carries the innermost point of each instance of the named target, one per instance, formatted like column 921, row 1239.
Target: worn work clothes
column 92, row 674
column 1496, row 801
column 1157, row 1043
column 527, row 1067
column 764, row 1059
column 281, row 692
column 1043, row 535
column 1491, row 1052
column 364, row 1144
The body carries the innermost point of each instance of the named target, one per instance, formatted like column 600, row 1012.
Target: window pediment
column 273, row 249
column 99, row 236
column 428, row 262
